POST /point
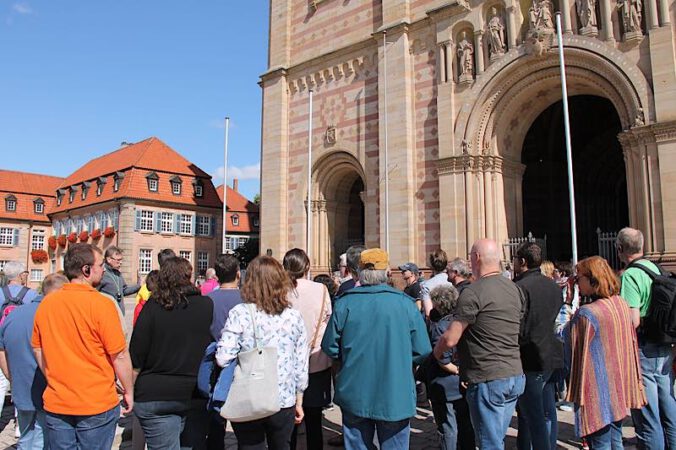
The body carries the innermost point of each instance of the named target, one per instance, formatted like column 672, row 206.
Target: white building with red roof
column 242, row 218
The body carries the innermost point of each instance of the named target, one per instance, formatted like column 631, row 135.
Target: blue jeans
column 537, row 413
column 607, row 438
column 491, row 405
column 358, row 433
column 92, row 432
column 31, row 425
column 453, row 424
column 656, row 422
column 162, row 422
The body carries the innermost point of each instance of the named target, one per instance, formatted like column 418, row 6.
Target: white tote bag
column 254, row 393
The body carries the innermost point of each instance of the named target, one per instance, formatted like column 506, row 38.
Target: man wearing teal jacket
column 377, row 333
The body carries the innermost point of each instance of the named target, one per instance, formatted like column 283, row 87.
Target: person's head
column 374, row 266
column 485, row 257
column 458, row 271
column 444, row 299
column 565, row 268
column 547, row 268
column 164, row 255
column 328, row 282
column 113, row 257
column 353, row 255
column 438, row 261
column 174, row 283
column 596, row 279
column 342, row 265
column 13, row 271
column 83, row 263
column 53, row 282
column 494, row 11
column 528, row 256
column 410, row 273
column 227, row 269
column 23, row 277
column 629, row 244
column 210, row 274
column 296, row 263
column 151, row 280
column 267, row 285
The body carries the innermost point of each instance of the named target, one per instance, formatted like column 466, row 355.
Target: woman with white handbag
column 269, row 340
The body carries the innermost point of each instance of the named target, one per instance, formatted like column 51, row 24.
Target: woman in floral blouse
column 267, row 286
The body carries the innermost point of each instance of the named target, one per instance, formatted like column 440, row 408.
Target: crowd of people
column 479, row 342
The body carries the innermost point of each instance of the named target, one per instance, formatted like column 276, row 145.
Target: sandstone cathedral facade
column 450, row 112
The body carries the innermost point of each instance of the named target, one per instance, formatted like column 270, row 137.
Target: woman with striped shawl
column 605, row 380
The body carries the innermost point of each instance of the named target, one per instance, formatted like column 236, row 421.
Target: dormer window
column 176, row 185
column 85, row 189
column 117, row 179
column 39, row 206
column 10, row 203
column 198, row 187
column 71, row 195
column 153, row 181
column 59, row 196
column 235, row 220
column 99, row 186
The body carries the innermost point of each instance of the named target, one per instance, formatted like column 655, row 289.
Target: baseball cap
column 409, row 266
column 374, row 258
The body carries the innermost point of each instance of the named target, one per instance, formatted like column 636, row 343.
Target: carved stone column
column 445, row 102
column 479, row 51
column 511, row 26
column 607, row 21
column 651, row 20
column 664, row 13
column 565, row 16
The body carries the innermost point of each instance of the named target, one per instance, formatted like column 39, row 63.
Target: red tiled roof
column 135, row 162
column 27, row 187
column 243, row 208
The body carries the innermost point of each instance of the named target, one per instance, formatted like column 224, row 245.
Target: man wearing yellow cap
column 377, row 333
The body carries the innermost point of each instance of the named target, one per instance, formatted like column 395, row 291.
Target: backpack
column 659, row 324
column 11, row 302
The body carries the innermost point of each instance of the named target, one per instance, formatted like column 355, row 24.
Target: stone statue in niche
column 586, row 11
column 541, row 15
column 466, row 58
column 632, row 13
column 496, row 35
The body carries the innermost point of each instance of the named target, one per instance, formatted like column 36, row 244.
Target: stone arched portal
column 338, row 211
column 494, row 115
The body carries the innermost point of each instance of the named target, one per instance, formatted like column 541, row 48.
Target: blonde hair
column 547, row 269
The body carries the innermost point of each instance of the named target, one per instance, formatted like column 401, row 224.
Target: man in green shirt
column 656, row 422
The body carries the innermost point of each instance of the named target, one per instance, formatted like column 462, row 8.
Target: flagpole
column 386, row 162
column 569, row 151
column 309, row 184
column 225, row 185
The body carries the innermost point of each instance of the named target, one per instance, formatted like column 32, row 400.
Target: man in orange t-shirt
column 80, row 346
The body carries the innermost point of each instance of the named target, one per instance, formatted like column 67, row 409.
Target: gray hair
column 370, row 277
column 461, row 267
column 444, row 299
column 13, row 269
column 631, row 241
column 353, row 255
column 210, row 273
column 112, row 251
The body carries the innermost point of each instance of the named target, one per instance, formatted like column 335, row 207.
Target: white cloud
column 22, row 8
column 252, row 172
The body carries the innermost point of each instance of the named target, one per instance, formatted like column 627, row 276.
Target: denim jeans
column 491, row 405
column 537, row 413
column 94, row 432
column 607, row 438
column 453, row 424
column 32, row 428
column 162, row 422
column 656, row 422
column 358, row 433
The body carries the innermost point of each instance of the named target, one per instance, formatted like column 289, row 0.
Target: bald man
column 486, row 331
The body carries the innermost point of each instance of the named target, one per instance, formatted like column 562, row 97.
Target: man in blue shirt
column 28, row 381
column 378, row 333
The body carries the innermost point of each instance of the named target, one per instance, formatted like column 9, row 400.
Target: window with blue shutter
column 158, row 221
column 137, row 222
column 194, row 225
column 16, row 237
column 176, row 223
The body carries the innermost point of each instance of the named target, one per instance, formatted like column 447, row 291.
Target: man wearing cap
column 411, row 274
column 377, row 333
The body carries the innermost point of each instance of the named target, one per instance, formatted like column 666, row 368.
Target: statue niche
column 631, row 12
column 465, row 52
column 496, row 34
column 586, row 12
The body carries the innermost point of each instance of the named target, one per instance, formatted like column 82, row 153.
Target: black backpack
column 11, row 302
column 659, row 324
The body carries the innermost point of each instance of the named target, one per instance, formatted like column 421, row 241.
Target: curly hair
column 444, row 299
column 173, row 284
column 267, row 285
column 601, row 277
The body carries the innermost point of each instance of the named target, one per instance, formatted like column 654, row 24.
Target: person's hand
column 300, row 414
column 438, row 350
column 127, row 403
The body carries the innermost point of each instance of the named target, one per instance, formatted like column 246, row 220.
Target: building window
column 145, row 260
column 101, row 220
column 91, row 223
column 116, row 184
column 39, row 207
column 113, row 216
column 146, row 221
column 10, row 204
column 235, row 219
column 99, row 188
column 185, row 224
column 71, row 196
column 59, row 198
column 228, row 243
column 167, row 222
column 6, row 236
column 36, row 275
column 84, row 193
column 185, row 254
column 256, row 221
column 202, row 262
column 38, row 240
column 152, row 185
column 176, row 188
column 203, row 225
column 199, row 190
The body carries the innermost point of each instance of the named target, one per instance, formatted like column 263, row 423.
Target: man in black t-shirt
column 411, row 275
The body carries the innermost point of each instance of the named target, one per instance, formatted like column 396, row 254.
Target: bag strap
column 22, row 293
column 650, row 273
column 7, row 294
column 252, row 311
column 319, row 321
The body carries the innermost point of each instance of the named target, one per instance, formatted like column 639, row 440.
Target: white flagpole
column 569, row 151
column 225, row 184
column 387, row 165
column 309, row 184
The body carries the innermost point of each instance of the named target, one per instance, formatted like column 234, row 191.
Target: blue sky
column 79, row 77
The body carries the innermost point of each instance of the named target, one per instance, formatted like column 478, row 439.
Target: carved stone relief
column 496, row 35
column 465, row 51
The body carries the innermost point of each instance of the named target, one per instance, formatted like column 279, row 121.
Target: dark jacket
column 540, row 349
column 113, row 284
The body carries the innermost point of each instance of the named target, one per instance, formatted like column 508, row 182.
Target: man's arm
column 122, row 366
column 450, row 338
column 635, row 316
column 3, row 365
column 129, row 290
column 38, row 357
